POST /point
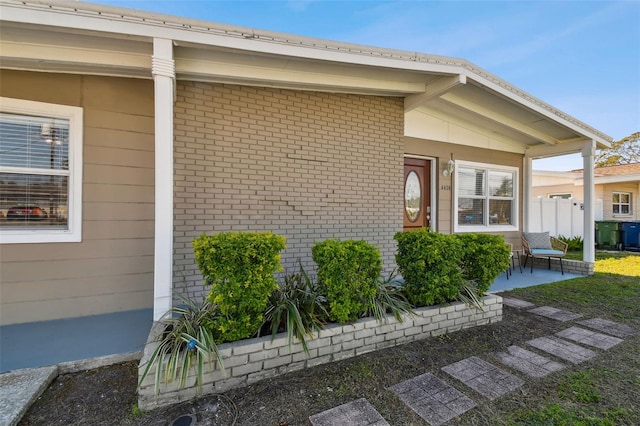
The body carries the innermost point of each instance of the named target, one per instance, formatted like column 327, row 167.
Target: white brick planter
column 569, row 265
column 248, row 361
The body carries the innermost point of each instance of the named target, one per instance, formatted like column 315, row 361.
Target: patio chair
column 540, row 244
column 513, row 256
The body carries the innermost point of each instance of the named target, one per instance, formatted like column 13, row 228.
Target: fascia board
column 613, row 179
column 569, row 176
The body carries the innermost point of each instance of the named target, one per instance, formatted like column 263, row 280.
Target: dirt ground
column 107, row 396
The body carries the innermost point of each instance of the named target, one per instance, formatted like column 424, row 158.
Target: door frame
column 433, row 189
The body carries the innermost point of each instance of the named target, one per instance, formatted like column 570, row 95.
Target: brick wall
column 251, row 360
column 305, row 165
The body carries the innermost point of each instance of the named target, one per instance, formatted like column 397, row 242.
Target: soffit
column 51, row 49
column 233, row 55
column 502, row 115
column 240, row 67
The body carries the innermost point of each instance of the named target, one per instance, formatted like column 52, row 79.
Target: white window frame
column 561, row 195
column 75, row 117
column 620, row 204
column 515, row 213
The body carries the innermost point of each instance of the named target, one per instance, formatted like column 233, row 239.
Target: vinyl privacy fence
column 560, row 216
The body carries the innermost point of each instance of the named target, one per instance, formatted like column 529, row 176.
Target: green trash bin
column 608, row 235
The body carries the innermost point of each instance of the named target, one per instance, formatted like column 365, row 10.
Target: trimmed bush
column 239, row 267
column 484, row 257
column 347, row 275
column 430, row 265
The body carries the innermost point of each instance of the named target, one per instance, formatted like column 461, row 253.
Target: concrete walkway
column 438, row 402
column 19, row 389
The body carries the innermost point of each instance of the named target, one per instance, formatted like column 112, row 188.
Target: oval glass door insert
column 412, row 196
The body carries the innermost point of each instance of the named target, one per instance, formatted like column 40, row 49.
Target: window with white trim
column 562, row 196
column 621, row 203
column 40, row 172
column 486, row 197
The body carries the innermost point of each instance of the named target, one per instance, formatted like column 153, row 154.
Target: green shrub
column 484, row 257
column 347, row 274
column 573, row 244
column 239, row 266
column 295, row 307
column 430, row 265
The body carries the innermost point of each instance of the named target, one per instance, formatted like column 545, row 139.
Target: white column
column 527, row 183
column 163, row 71
column 588, row 158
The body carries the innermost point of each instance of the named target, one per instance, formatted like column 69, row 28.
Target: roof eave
column 184, row 31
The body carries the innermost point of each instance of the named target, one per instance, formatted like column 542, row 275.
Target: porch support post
column 527, row 182
column 588, row 158
column 163, row 71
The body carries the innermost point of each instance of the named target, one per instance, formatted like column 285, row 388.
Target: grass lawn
column 608, row 392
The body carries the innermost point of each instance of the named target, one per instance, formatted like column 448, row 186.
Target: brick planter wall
column 251, row 360
column 571, row 266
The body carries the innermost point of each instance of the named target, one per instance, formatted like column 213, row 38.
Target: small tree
column 624, row 151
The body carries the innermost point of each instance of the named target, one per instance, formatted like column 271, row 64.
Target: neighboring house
column 132, row 133
column 618, row 187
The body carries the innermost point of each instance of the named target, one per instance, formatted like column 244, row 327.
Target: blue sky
column 582, row 57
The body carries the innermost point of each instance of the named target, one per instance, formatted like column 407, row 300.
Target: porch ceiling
column 218, row 53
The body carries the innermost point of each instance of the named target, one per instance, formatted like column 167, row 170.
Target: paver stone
column 483, row 377
column 432, row 399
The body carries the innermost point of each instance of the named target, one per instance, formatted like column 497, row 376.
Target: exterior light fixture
column 450, row 166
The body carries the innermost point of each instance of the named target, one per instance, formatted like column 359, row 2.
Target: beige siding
column 442, row 152
column 308, row 166
column 112, row 268
column 546, row 191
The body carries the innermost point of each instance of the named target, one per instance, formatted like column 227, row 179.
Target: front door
column 417, row 193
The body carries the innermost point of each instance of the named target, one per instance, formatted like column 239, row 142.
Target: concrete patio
column 526, row 278
column 45, row 343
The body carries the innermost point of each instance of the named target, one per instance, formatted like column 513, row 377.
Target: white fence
column 560, row 216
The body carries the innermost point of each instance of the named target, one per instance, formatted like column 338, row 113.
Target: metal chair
column 540, row 244
column 512, row 259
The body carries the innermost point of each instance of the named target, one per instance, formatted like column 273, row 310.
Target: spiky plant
column 389, row 298
column 470, row 295
column 186, row 342
column 295, row 307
